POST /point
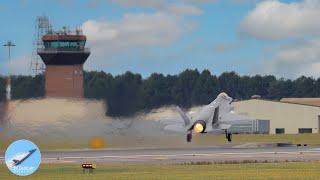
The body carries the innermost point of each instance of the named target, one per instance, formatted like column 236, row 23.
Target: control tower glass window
column 64, row 44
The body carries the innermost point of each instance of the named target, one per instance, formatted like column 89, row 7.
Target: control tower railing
column 58, row 50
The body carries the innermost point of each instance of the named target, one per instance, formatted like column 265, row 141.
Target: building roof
column 288, row 102
column 303, row 101
column 66, row 37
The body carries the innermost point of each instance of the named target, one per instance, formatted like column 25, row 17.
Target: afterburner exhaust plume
column 198, row 128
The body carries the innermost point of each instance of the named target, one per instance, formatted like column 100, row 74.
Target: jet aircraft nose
column 33, row 150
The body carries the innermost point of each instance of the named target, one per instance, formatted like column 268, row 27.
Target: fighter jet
column 217, row 117
column 21, row 157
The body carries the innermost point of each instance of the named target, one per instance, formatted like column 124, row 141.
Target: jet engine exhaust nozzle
column 199, row 126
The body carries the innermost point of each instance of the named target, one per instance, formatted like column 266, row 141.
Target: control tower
column 64, row 54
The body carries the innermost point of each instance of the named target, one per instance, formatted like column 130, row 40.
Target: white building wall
column 281, row 115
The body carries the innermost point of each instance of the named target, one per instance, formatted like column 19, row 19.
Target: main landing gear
column 228, row 135
column 189, row 136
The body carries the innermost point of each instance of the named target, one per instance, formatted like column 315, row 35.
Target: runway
column 182, row 155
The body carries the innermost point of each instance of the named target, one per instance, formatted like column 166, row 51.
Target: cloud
column 113, row 38
column 154, row 4
column 272, row 19
column 174, row 7
column 135, row 30
column 184, row 9
column 245, row 1
column 276, row 20
column 300, row 58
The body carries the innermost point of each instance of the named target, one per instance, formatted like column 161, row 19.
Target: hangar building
column 287, row 116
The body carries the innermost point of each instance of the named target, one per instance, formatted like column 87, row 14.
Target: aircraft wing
column 231, row 118
column 170, row 121
column 172, row 125
column 223, row 126
column 179, row 128
column 184, row 116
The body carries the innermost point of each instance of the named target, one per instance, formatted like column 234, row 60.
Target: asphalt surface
column 183, row 155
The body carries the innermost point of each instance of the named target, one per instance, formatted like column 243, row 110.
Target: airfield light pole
column 9, row 45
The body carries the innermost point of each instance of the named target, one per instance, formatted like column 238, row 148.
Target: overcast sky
column 168, row 36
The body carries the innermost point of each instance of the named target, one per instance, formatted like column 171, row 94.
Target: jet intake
column 199, row 126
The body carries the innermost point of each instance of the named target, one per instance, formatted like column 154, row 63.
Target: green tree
column 206, row 88
column 304, row 87
column 97, row 85
column 261, row 84
column 125, row 95
column 156, row 91
column 182, row 90
column 2, row 88
column 317, row 88
column 280, row 89
column 245, row 87
column 229, row 83
column 128, row 93
column 25, row 87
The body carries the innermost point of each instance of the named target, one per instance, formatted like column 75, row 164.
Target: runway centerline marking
column 181, row 155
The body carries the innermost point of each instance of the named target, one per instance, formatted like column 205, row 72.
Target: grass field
column 294, row 170
column 176, row 141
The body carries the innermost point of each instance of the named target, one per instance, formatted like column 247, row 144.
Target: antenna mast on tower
column 42, row 28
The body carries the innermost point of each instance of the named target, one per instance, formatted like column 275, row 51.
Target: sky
column 277, row 37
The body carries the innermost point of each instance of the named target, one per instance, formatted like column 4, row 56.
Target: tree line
column 23, row 87
column 129, row 93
